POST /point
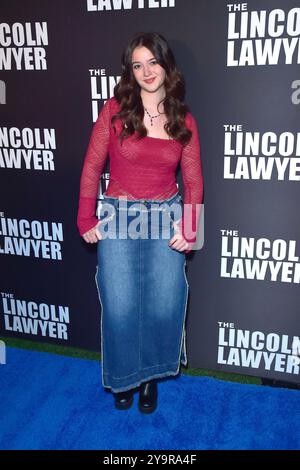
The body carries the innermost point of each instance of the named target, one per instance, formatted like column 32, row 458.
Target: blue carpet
column 56, row 402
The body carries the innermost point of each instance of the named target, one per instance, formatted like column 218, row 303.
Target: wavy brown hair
column 127, row 91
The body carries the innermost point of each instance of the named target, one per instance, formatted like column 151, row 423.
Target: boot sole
column 147, row 410
column 124, row 406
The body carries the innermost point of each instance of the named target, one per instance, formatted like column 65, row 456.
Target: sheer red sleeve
column 93, row 165
column 191, row 168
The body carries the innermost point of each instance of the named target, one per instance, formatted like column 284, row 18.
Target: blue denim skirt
column 143, row 292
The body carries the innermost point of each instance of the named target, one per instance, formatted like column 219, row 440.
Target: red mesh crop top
column 139, row 169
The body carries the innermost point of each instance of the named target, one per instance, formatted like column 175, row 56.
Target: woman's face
column 147, row 71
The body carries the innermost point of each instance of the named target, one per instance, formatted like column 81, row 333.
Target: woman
column 147, row 130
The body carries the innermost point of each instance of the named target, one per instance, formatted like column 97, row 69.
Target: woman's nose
column 146, row 71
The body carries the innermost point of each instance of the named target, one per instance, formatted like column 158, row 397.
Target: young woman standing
column 147, row 131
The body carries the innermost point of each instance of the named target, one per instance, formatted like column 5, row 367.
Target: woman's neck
column 151, row 100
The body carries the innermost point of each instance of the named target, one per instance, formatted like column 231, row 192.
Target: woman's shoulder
column 113, row 107
column 190, row 120
column 113, row 104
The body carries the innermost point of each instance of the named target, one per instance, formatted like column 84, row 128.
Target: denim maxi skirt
column 143, row 292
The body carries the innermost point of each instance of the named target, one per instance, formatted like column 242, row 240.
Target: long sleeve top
column 139, row 169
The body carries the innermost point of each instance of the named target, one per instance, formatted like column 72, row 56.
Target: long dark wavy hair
column 127, row 90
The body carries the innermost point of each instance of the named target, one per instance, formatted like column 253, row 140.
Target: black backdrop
column 240, row 85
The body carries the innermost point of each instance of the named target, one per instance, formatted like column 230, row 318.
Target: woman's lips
column 149, row 80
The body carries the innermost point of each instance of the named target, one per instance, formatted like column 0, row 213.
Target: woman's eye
column 137, row 66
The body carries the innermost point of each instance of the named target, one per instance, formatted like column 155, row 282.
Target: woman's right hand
column 93, row 235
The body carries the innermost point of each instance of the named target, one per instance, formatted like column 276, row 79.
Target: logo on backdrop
column 261, row 155
column 258, row 349
column 22, row 46
column 32, row 238
column 104, row 181
column 33, row 318
column 29, row 149
column 102, row 88
column 102, row 5
column 260, row 259
column 263, row 37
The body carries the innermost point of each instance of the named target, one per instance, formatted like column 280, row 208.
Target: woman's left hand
column 178, row 242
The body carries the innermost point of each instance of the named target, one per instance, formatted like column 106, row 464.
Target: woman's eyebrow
column 137, row 62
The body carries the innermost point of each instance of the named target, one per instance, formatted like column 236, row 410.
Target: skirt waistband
column 149, row 203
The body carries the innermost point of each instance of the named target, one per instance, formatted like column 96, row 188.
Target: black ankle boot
column 123, row 400
column 148, row 396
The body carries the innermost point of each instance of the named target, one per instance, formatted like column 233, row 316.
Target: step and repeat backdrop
column 59, row 62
